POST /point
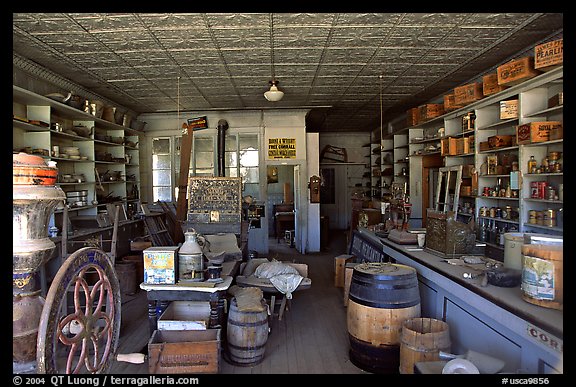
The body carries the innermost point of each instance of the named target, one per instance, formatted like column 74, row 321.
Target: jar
column 492, row 212
column 532, row 165
column 483, row 211
column 507, row 212
column 190, row 258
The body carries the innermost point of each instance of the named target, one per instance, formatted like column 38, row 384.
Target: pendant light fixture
column 274, row 94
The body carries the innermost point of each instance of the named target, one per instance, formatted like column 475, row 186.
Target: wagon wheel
column 82, row 337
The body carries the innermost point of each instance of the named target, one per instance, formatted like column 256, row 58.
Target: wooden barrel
column 126, row 273
column 247, row 334
column 542, row 275
column 381, row 297
column 421, row 340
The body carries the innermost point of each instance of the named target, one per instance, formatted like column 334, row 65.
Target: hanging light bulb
column 274, row 95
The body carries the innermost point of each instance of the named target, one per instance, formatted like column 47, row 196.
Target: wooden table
column 159, row 296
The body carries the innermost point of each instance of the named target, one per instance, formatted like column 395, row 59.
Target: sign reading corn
column 281, row 148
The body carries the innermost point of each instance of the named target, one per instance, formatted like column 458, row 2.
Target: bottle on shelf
column 532, row 165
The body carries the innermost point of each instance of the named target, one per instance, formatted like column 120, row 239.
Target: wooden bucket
column 381, row 297
column 247, row 334
column 542, row 275
column 422, row 339
column 126, row 273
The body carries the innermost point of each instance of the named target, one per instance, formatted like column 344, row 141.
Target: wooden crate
column 536, row 131
column 184, row 352
column 500, row 141
column 484, row 146
column 412, row 116
column 548, row 56
column 430, row 110
column 448, row 146
column 185, row 316
column 469, row 93
column 509, row 109
column 450, row 103
column 460, row 146
column 339, row 264
column 490, row 84
column 516, row 71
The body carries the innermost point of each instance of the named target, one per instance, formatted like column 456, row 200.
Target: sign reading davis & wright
column 281, row 148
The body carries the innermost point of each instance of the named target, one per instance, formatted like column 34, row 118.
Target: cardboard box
column 536, row 131
column 469, row 93
column 412, row 116
column 490, row 84
column 450, row 103
column 509, row 109
column 516, row 71
column 185, row 316
column 184, row 352
column 548, row 56
column 430, row 110
column 160, row 264
column 500, row 141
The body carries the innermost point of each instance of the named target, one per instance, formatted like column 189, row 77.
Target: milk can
column 190, row 258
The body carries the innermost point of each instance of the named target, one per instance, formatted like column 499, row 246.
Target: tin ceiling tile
column 226, row 59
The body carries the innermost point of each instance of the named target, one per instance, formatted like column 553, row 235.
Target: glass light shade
column 273, row 94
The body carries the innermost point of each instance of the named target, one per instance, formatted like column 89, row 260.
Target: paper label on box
column 538, row 278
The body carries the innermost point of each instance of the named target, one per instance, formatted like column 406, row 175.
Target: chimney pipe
column 222, row 127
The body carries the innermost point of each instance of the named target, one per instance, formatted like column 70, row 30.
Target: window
column 241, row 158
column 161, row 169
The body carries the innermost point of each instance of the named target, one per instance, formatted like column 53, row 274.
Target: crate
column 184, row 352
column 484, row 146
column 536, row 131
column 448, row 146
column 185, row 316
column 430, row 110
column 450, row 103
column 339, row 266
column 556, row 132
column 469, row 93
column 490, row 84
column 508, row 109
column 460, row 146
column 500, row 141
column 412, row 116
column 160, row 264
column 516, row 71
column 548, row 56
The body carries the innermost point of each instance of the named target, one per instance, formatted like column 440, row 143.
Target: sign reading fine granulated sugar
column 281, row 148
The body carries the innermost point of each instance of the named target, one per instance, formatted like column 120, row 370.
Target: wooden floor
column 310, row 339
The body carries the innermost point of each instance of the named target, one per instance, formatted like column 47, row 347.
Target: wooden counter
column 490, row 319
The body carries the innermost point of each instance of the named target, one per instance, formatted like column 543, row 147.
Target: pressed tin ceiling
column 328, row 62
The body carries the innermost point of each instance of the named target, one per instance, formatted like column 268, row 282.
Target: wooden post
column 185, row 155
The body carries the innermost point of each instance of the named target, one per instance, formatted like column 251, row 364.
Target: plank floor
column 311, row 338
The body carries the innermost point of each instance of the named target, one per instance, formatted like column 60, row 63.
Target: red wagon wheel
column 80, row 336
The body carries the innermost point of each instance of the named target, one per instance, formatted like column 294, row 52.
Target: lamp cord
column 272, row 47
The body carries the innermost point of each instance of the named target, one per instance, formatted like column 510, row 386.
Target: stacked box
column 450, row 103
column 459, row 146
column 536, row 131
column 469, row 93
column 185, row 316
column 509, row 109
column 516, row 71
column 490, row 84
column 549, row 55
column 431, row 110
column 500, row 141
column 160, row 263
column 448, row 146
column 412, row 116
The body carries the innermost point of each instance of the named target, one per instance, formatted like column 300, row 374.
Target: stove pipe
column 222, row 127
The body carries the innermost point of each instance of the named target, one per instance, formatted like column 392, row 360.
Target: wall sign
column 197, row 123
column 281, row 148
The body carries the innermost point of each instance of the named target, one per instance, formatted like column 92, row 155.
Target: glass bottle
column 532, row 165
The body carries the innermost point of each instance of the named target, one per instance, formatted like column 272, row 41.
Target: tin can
column 540, row 217
column 532, row 215
column 492, row 212
column 549, row 218
column 550, row 193
column 534, row 189
column 542, row 189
